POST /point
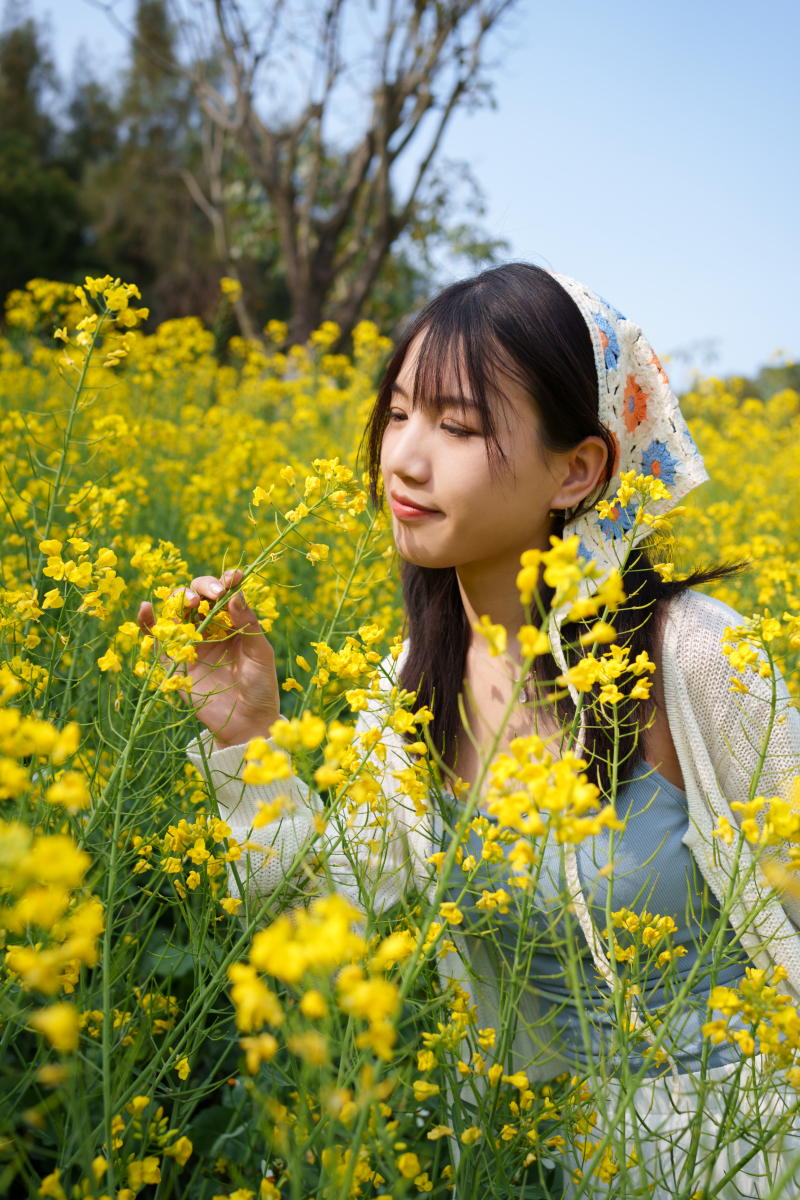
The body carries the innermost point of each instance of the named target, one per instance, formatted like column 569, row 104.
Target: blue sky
column 648, row 149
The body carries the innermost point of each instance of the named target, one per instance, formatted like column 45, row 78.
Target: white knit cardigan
column 718, row 737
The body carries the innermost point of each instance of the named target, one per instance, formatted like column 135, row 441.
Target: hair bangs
column 460, row 363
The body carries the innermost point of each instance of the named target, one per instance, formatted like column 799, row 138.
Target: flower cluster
column 607, row 670
column 627, row 511
column 30, row 738
column 108, row 303
column 42, row 887
column 98, row 580
column 748, row 444
column 302, row 953
column 644, row 933
column 765, row 1020
column 190, row 855
column 535, row 795
column 749, row 647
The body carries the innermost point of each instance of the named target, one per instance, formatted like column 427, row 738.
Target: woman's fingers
column 210, row 588
column 254, row 644
column 146, row 617
column 205, row 587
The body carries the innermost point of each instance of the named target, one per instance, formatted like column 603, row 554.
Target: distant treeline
column 120, row 177
column 90, row 176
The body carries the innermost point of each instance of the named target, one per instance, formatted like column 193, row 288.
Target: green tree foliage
column 40, row 217
column 131, row 179
column 776, row 376
column 93, row 127
column 40, row 211
column 145, row 225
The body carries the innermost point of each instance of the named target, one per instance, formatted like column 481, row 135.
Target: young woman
column 512, row 405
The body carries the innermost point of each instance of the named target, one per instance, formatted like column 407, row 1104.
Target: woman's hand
column 234, row 685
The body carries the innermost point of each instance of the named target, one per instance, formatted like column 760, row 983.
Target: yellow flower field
column 163, row 1032
column 747, row 512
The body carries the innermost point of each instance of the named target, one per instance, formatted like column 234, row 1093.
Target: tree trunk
column 336, row 213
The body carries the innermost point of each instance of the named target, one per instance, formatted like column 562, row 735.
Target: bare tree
column 339, row 108
column 215, row 208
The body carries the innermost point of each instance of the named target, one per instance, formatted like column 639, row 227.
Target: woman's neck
column 489, row 588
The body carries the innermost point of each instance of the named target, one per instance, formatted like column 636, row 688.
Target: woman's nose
column 406, row 452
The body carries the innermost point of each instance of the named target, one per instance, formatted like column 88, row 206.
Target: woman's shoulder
column 696, row 608
column 696, row 624
column 692, row 651
column 692, row 647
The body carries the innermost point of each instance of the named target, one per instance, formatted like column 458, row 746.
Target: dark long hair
column 514, row 322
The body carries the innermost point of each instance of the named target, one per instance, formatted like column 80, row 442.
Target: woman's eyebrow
column 462, row 402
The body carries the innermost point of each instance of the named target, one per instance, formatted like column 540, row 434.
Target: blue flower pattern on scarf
column 609, row 338
column 615, row 529
column 658, row 461
column 615, row 311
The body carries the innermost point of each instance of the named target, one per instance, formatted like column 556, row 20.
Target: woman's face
column 450, row 507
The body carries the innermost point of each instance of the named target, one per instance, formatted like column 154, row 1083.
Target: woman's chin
column 418, row 556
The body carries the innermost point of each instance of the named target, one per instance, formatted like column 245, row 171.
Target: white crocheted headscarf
column 642, row 413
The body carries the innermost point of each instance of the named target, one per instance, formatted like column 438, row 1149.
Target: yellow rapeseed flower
column 60, row 1025
column 601, row 631
column 495, row 635
column 109, row 661
column 451, row 912
column 408, row 1165
column 313, row 1005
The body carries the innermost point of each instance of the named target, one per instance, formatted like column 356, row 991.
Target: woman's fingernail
column 239, row 602
column 216, row 589
column 189, row 595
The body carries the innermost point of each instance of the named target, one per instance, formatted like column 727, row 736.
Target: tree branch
column 334, row 210
column 214, row 211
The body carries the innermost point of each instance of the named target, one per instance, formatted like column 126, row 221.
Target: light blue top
column 653, row 871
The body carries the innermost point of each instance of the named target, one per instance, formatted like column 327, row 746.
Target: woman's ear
column 580, row 472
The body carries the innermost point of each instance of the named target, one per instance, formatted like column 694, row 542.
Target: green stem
column 62, row 462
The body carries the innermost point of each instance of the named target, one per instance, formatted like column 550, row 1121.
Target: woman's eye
column 459, row 431
column 397, row 414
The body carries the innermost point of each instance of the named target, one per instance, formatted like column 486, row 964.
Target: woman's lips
column 405, row 509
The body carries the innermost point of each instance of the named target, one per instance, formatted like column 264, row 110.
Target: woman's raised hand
column 234, row 684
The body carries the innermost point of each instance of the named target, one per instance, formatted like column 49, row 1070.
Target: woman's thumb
column 245, row 621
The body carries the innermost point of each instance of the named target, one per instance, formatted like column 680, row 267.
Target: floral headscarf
column 640, row 410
